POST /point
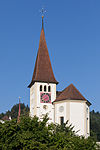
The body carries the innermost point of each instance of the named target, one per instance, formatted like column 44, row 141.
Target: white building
column 68, row 104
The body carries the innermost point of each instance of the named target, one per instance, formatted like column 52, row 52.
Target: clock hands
column 45, row 97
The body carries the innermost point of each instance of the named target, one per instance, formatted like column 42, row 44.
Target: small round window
column 61, row 109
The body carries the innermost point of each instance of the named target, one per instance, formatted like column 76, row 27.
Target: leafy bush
column 32, row 134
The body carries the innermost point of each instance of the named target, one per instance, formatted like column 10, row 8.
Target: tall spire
column 43, row 70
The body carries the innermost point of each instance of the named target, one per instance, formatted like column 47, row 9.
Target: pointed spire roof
column 71, row 93
column 43, row 70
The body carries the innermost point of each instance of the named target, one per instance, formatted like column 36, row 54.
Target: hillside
column 95, row 124
column 14, row 111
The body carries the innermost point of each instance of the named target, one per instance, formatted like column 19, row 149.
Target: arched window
column 49, row 89
column 45, row 88
column 40, row 87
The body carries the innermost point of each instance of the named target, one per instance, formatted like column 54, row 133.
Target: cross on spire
column 43, row 11
column 19, row 98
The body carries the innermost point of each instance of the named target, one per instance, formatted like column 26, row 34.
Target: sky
column 72, row 32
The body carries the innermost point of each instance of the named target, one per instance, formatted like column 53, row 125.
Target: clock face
column 45, row 97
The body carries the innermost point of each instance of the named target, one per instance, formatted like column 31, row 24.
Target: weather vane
column 42, row 11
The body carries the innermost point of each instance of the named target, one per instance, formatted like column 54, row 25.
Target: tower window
column 40, row 87
column 49, row 89
column 87, row 110
column 45, row 88
column 61, row 120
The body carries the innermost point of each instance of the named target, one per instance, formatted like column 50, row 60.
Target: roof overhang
column 69, row 100
column 30, row 85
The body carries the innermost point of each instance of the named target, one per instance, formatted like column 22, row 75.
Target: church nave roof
column 70, row 93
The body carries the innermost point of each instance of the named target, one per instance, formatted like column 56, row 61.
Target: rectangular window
column 61, row 120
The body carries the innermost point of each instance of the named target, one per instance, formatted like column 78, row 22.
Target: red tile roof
column 5, row 118
column 43, row 70
column 71, row 93
column 58, row 93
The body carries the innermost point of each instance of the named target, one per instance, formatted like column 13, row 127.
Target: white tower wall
column 36, row 107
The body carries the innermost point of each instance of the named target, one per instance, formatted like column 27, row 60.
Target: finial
column 42, row 12
column 19, row 99
column 42, row 21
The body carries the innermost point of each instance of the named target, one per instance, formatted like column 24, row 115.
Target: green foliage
column 32, row 134
column 14, row 111
column 2, row 115
column 95, row 124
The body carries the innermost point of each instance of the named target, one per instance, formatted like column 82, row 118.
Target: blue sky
column 72, row 31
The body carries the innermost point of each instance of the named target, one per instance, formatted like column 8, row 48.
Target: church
column 68, row 104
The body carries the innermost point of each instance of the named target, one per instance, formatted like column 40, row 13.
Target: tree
column 95, row 124
column 94, row 119
column 32, row 134
column 14, row 111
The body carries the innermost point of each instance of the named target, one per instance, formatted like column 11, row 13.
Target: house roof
column 43, row 70
column 71, row 93
column 58, row 93
column 5, row 118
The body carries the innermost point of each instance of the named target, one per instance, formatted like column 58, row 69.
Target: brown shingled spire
column 43, row 70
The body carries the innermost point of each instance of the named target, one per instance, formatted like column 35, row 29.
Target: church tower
column 43, row 84
column 69, row 104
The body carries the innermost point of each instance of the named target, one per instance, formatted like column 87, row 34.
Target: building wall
column 87, row 120
column 77, row 117
column 36, row 107
column 61, row 110
column 75, row 111
column 32, row 99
